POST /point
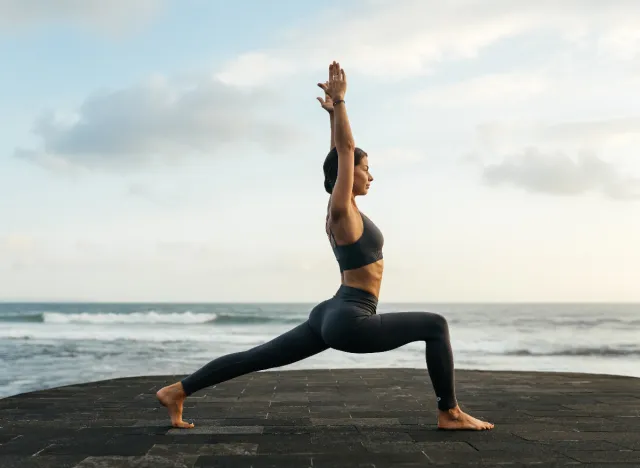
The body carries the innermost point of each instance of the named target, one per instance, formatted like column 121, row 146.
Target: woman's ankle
column 451, row 411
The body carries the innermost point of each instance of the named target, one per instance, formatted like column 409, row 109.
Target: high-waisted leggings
column 347, row 322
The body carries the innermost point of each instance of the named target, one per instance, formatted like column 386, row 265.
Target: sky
column 157, row 150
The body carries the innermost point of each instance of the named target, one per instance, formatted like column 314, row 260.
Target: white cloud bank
column 394, row 40
column 163, row 119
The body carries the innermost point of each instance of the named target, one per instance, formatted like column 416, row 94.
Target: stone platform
column 328, row 418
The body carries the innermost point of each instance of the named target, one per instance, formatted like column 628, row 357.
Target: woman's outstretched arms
column 327, row 104
column 336, row 88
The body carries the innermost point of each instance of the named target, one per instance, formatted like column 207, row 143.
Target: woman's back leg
column 299, row 343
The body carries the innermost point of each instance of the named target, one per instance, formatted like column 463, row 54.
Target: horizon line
column 88, row 301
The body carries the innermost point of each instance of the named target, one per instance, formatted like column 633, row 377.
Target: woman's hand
column 327, row 103
column 336, row 87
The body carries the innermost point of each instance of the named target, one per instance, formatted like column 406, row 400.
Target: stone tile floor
column 328, row 418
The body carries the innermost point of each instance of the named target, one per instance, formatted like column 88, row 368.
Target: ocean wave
column 537, row 323
column 25, row 317
column 604, row 351
column 135, row 336
column 570, row 322
column 250, row 319
column 148, row 317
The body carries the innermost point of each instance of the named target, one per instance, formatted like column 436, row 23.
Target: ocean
column 48, row 345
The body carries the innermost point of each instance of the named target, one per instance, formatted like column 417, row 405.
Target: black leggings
column 346, row 322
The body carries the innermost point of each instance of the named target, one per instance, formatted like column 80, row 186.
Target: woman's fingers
column 337, row 80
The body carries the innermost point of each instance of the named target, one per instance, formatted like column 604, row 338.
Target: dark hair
column 330, row 167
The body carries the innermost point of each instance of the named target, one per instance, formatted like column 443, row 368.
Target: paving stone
column 17, row 461
column 24, row 445
column 109, row 446
column 497, row 457
column 271, row 461
column 586, row 445
column 354, row 421
column 308, row 429
column 426, row 447
column 608, row 456
column 377, row 459
column 328, row 418
column 216, row 430
column 147, row 461
column 4, row 438
column 376, row 437
column 182, row 450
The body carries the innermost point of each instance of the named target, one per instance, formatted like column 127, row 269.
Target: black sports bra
column 364, row 251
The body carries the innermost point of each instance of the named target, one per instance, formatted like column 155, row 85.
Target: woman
column 348, row 321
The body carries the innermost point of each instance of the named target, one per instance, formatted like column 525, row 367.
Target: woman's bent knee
column 439, row 324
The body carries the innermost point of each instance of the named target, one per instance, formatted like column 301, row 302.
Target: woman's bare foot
column 455, row 419
column 172, row 397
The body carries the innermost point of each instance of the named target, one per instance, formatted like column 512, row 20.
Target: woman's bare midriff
column 367, row 278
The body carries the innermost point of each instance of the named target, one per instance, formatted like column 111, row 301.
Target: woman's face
column 362, row 177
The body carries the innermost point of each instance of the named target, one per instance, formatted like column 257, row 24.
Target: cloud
column 558, row 174
column 485, row 89
column 618, row 131
column 393, row 40
column 109, row 15
column 159, row 120
column 538, row 156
